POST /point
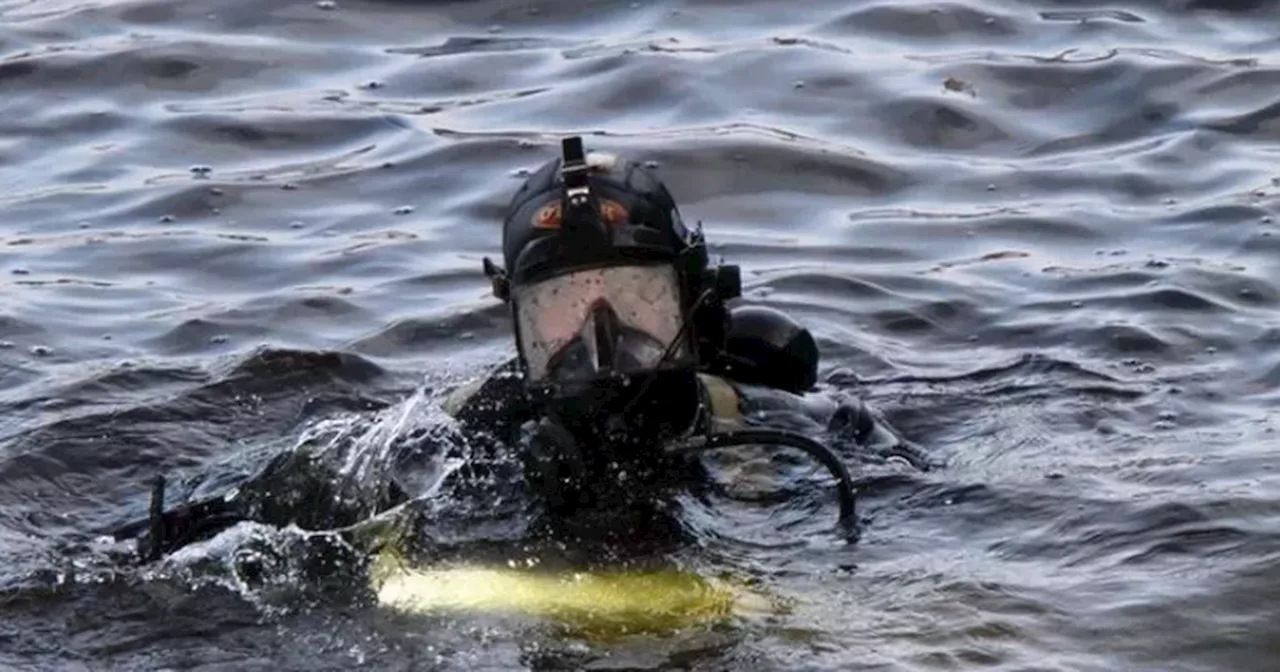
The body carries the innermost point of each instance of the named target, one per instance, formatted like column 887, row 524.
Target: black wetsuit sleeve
column 293, row 487
column 300, row 487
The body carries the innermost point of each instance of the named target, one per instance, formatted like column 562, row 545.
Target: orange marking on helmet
column 548, row 216
column 613, row 213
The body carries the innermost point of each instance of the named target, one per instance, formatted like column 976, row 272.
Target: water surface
column 1041, row 236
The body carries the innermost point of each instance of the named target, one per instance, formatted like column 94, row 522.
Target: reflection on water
column 1041, row 236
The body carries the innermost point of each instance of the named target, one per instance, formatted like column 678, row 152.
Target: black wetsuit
column 493, row 417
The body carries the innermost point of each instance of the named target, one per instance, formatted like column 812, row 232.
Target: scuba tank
column 766, row 347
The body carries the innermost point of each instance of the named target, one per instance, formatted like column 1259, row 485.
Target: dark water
column 1041, row 234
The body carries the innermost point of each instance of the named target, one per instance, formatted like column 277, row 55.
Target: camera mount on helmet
column 573, row 171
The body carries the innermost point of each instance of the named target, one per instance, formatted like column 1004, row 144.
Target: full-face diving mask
column 605, row 282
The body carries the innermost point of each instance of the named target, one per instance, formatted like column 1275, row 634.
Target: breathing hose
column 776, row 437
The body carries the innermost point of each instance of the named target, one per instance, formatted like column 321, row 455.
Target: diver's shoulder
column 733, row 400
column 497, row 393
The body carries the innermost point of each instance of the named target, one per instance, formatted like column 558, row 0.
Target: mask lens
column 621, row 318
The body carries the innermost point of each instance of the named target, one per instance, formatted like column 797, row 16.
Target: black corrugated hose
column 776, row 437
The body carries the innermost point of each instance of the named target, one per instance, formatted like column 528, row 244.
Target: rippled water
column 1041, row 234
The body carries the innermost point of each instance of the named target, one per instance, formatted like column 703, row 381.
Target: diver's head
column 612, row 296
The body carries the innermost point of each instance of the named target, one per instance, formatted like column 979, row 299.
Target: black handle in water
column 155, row 520
column 823, row 454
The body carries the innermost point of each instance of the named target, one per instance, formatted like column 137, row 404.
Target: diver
column 630, row 361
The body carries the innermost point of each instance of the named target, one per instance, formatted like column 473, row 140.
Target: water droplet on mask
column 20, row 271
column 296, row 225
column 219, row 339
column 327, row 5
column 404, row 210
column 166, row 219
column 41, row 350
column 289, row 186
column 201, row 171
column 216, row 191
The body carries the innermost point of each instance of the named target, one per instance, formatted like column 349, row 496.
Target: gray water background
column 1040, row 236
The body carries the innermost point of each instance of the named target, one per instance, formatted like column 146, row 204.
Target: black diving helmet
column 602, row 276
